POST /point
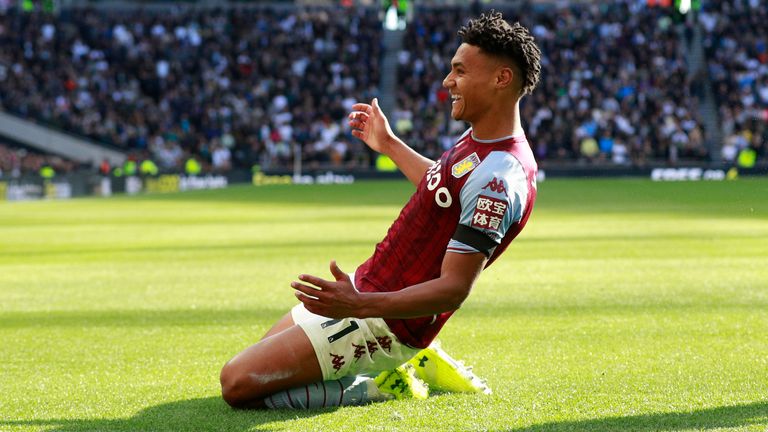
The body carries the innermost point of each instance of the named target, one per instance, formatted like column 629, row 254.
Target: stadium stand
column 736, row 44
column 614, row 86
column 236, row 86
column 244, row 86
column 17, row 161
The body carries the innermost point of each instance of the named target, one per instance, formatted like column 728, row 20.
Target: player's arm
column 446, row 293
column 370, row 124
column 340, row 299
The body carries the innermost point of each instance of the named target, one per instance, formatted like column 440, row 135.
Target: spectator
column 175, row 82
column 17, row 162
column 736, row 45
column 221, row 158
column 240, row 87
column 610, row 73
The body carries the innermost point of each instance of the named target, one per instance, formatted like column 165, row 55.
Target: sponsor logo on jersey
column 461, row 168
column 489, row 213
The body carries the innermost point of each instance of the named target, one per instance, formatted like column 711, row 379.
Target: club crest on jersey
column 462, row 167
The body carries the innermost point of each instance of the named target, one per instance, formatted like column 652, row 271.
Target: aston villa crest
column 464, row 166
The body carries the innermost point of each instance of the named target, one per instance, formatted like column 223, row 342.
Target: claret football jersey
column 475, row 199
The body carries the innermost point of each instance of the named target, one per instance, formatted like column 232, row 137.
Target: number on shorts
column 353, row 325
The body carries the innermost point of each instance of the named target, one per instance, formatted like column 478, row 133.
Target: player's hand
column 332, row 299
column 369, row 123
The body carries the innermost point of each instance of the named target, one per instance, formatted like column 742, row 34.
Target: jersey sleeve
column 492, row 199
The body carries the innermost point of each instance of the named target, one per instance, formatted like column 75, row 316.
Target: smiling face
column 472, row 83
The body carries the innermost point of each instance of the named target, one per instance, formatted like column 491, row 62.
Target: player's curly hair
column 497, row 37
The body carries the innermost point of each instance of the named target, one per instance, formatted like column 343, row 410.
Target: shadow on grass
column 212, row 414
column 140, row 318
column 253, row 248
column 754, row 414
column 205, row 414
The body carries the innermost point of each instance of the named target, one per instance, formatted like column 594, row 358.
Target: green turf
column 625, row 305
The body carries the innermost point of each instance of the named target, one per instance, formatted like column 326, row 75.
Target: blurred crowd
column 614, row 85
column 736, row 44
column 16, row 162
column 251, row 86
column 232, row 87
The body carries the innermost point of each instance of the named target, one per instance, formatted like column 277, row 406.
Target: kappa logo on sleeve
column 464, row 166
column 489, row 212
column 496, row 185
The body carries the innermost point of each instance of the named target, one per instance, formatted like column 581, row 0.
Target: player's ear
column 504, row 77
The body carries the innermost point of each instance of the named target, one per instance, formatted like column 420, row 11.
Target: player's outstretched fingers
column 359, row 115
column 311, row 304
column 338, row 273
column 314, row 280
column 357, row 123
column 307, row 290
column 362, row 107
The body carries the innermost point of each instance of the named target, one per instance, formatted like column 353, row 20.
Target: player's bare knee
column 233, row 394
column 240, row 389
column 233, row 386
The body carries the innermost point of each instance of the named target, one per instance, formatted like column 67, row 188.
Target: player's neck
column 498, row 124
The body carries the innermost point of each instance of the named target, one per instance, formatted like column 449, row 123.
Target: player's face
column 470, row 82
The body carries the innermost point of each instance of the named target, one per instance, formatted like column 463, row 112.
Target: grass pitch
column 624, row 305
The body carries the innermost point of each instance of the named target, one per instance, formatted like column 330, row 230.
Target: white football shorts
column 351, row 346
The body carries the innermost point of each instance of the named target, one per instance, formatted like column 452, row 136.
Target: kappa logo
column 496, row 185
column 385, row 342
column 372, row 347
column 359, row 351
column 337, row 361
column 464, row 166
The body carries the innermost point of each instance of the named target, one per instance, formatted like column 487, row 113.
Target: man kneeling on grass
column 368, row 336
